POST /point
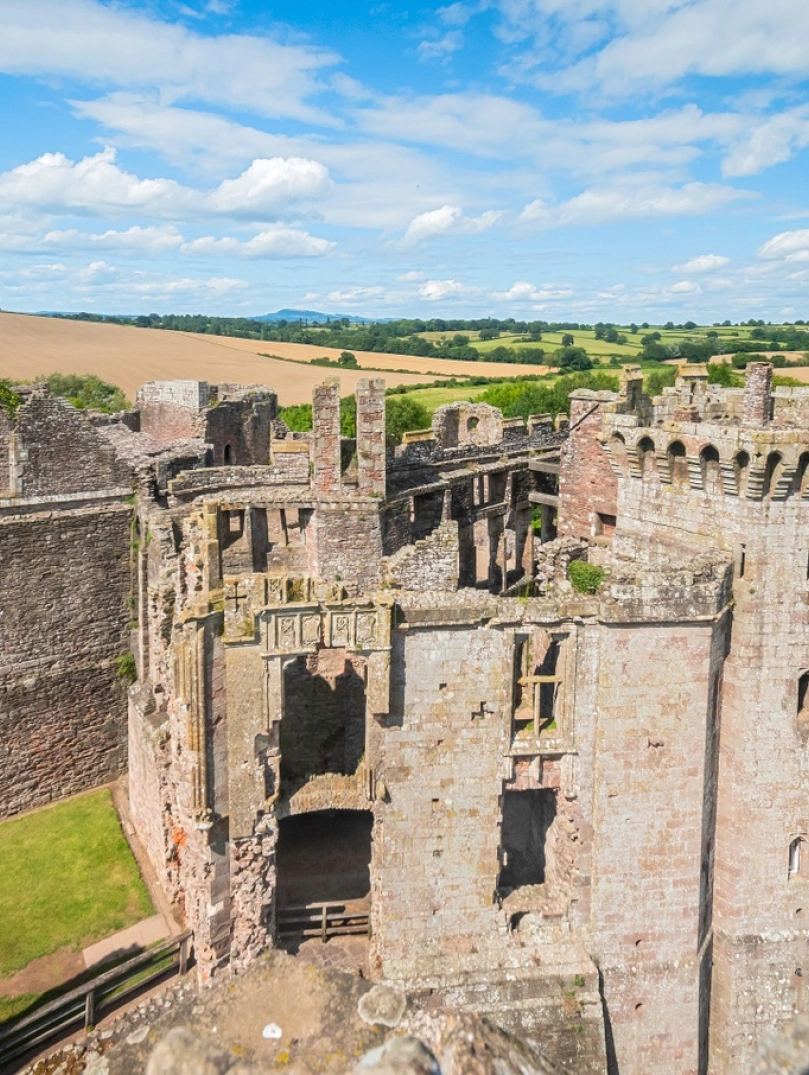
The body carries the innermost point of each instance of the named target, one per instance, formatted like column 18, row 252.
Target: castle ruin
column 365, row 678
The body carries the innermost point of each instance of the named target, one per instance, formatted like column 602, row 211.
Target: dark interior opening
column 323, row 730
column 324, row 857
column 527, row 817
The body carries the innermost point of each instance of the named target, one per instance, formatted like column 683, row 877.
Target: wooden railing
column 324, row 920
column 84, row 1004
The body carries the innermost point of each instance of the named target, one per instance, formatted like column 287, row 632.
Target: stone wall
column 587, row 484
column 59, row 451
column 63, row 602
column 428, row 564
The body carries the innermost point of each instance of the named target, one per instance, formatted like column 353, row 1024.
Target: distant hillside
column 314, row 315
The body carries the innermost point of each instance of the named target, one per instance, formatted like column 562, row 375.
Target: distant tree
column 402, row 414
column 567, row 340
column 572, row 358
column 489, row 333
column 633, row 328
column 298, row 417
column 348, row 360
column 690, row 325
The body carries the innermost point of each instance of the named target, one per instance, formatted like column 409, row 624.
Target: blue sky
column 557, row 159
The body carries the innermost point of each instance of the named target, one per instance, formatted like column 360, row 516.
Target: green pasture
column 68, row 878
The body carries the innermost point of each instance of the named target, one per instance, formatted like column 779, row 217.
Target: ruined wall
column 444, row 761
column 587, row 484
column 428, row 564
column 649, row 786
column 347, row 544
column 761, row 938
column 63, row 602
column 59, row 451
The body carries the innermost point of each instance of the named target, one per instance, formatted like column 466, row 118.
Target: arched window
column 472, row 423
column 678, row 465
column 741, row 467
column 772, row 473
column 800, row 479
column 617, row 446
column 227, row 455
column 798, row 858
column 647, row 461
column 711, row 470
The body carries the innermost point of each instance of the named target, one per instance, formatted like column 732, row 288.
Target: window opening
column 646, row 456
column 798, row 859
column 678, row 464
column 527, row 820
column 741, row 464
column 772, row 473
column 227, row 455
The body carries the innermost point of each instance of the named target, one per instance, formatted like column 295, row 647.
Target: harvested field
column 429, row 369
column 30, row 346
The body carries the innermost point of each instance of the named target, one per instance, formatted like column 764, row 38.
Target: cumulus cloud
column 524, row 292
column 787, row 246
column 685, row 287
column 702, row 263
column 115, row 46
column 97, row 185
column 449, row 219
column 434, row 290
column 601, row 206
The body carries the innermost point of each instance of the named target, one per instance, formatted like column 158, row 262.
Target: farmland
column 127, row 357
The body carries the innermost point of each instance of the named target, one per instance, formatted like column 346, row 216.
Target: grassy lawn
column 68, row 878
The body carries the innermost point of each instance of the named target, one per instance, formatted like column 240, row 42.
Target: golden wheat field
column 127, row 357
column 32, row 346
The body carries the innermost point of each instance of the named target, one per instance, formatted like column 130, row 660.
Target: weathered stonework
column 581, row 814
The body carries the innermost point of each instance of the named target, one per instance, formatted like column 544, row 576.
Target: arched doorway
column 323, row 878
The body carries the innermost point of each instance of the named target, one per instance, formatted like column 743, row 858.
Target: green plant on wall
column 126, row 668
column 585, row 578
column 9, row 399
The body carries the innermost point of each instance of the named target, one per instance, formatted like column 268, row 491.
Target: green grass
column 68, row 878
column 13, row 1006
column 436, row 397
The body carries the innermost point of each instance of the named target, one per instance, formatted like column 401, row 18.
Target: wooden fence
column 324, row 920
column 84, row 1004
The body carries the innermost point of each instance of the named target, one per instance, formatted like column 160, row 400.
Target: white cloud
column 441, row 289
column 441, row 48
column 449, row 219
column 412, row 277
column 524, row 292
column 97, row 185
column 787, row 246
column 685, row 287
column 111, row 45
column 266, row 184
column 629, row 44
column 354, row 295
column 272, row 243
column 702, row 263
column 611, row 204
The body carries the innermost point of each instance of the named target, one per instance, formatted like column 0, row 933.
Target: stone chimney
column 757, row 394
column 326, row 437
